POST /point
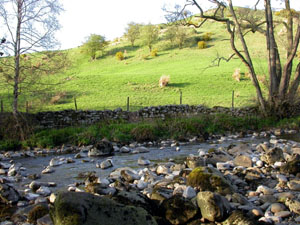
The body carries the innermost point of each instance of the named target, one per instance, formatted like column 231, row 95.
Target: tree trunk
column 247, row 61
column 17, row 46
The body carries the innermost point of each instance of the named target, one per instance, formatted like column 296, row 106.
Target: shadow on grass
column 179, row 85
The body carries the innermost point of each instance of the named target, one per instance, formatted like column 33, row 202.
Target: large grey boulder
column 80, row 208
column 8, row 194
column 214, row 207
column 101, row 148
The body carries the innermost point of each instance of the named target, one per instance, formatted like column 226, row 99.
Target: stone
column 177, row 210
column 125, row 149
column 292, row 166
column 48, row 169
column 277, row 207
column 45, row 191
column 265, row 190
column 162, row 169
column 101, row 148
column 239, row 218
column 8, row 194
column 294, row 185
column 283, row 214
column 195, row 161
column 243, row 160
column 209, row 179
column 189, row 192
column 106, row 164
column 142, row 161
column 294, row 205
column 45, row 220
column 272, row 156
column 140, row 150
column 214, row 207
column 71, row 208
column 54, row 162
column 130, row 175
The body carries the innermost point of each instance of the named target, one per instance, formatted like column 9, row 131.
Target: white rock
column 125, row 149
column 103, row 181
column 143, row 162
column 45, row 191
column 265, row 190
column 52, row 198
column 162, row 170
column 142, row 184
column 278, row 164
column 189, row 192
column 31, row 196
column 177, row 149
column 201, row 152
column 223, row 166
column 106, row 164
column 48, row 169
column 281, row 178
column 140, row 150
column 55, row 162
column 259, row 163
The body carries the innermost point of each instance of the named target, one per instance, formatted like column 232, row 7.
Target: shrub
column 237, row 74
column 153, row 53
column 164, row 81
column 201, row 44
column 143, row 133
column 120, row 56
column 207, row 36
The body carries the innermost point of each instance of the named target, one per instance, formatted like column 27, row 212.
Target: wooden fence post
column 2, row 108
column 75, row 102
column 180, row 97
column 127, row 104
column 232, row 104
column 27, row 107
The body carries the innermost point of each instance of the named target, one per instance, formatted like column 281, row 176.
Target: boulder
column 209, row 179
column 177, row 210
column 243, row 160
column 272, row 156
column 79, row 208
column 214, row 207
column 239, row 218
column 101, row 148
column 195, row 161
column 292, row 166
column 8, row 194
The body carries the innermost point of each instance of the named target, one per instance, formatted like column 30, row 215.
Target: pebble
column 189, row 192
column 277, row 207
column 142, row 161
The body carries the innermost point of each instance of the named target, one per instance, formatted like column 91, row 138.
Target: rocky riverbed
column 235, row 179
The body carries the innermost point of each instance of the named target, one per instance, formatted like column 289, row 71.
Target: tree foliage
column 28, row 26
column 95, row 43
column 132, row 32
column 149, row 35
column 283, row 84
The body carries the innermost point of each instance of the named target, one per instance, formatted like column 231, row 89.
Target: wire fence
column 135, row 103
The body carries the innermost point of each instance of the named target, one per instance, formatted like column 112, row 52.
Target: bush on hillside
column 153, row 53
column 201, row 44
column 120, row 56
column 207, row 36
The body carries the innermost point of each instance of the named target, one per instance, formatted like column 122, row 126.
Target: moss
column 37, row 212
column 206, row 179
column 211, row 150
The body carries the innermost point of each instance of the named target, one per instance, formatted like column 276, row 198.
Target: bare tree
column 282, row 89
column 29, row 27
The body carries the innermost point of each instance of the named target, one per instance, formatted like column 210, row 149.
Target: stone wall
column 65, row 118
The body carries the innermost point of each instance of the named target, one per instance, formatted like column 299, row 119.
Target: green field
column 106, row 82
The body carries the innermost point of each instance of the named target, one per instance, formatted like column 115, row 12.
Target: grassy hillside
column 106, row 82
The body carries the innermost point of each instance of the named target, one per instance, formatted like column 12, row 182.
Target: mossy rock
column 178, row 210
column 292, row 167
column 209, row 179
column 73, row 208
column 239, row 218
column 37, row 212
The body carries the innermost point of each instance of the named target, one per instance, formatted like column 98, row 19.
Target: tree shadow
column 179, row 85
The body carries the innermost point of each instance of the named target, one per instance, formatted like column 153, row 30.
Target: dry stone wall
column 57, row 119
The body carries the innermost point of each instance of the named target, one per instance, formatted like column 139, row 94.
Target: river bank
column 249, row 168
